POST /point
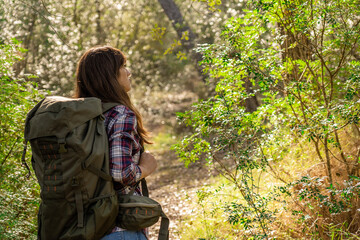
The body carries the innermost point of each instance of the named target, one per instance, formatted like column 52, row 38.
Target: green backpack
column 70, row 158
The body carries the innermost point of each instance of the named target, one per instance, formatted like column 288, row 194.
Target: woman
column 102, row 73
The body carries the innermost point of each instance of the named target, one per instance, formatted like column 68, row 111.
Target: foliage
column 212, row 4
column 19, row 195
column 326, row 210
column 56, row 33
column 299, row 60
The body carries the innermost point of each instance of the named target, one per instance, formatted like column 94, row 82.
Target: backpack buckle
column 62, row 144
column 75, row 182
column 83, row 165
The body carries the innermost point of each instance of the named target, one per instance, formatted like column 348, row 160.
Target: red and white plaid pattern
column 124, row 145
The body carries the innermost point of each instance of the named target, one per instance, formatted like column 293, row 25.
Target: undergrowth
column 306, row 208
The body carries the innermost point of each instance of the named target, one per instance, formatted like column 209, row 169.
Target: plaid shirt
column 125, row 151
column 124, row 145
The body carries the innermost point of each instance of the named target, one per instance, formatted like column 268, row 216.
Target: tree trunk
column 173, row 12
column 21, row 65
column 75, row 17
column 177, row 21
column 251, row 103
column 100, row 33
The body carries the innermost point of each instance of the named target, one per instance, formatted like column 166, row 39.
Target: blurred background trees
column 158, row 47
column 57, row 32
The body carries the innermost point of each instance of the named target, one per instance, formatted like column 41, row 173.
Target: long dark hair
column 97, row 75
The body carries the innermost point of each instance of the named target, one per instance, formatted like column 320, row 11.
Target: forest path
column 174, row 186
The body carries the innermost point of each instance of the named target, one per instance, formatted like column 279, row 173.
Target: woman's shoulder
column 120, row 116
column 119, row 110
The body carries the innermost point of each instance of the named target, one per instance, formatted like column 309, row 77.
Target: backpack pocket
column 137, row 212
column 100, row 213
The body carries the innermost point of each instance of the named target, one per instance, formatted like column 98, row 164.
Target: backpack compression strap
column 27, row 120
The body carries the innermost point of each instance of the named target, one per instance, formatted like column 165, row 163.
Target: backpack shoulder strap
column 164, row 227
column 107, row 106
column 144, row 188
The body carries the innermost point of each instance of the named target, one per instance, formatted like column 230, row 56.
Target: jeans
column 125, row 235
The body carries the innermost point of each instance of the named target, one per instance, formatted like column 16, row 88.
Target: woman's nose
column 128, row 72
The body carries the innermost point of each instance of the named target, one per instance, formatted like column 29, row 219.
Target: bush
column 285, row 72
column 19, row 196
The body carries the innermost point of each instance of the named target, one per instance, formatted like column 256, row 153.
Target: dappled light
column 253, row 109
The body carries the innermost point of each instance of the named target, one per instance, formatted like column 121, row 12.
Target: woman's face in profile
column 124, row 78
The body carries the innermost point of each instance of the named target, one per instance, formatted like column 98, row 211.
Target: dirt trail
column 172, row 181
column 170, row 184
